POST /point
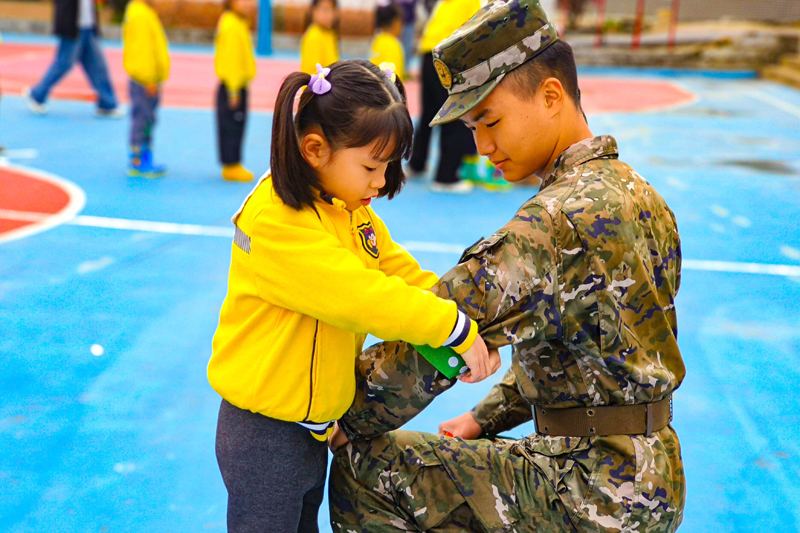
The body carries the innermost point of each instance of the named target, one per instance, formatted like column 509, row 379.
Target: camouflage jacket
column 582, row 282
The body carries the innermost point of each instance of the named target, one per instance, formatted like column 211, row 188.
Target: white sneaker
column 109, row 113
column 33, row 105
column 413, row 174
column 458, row 187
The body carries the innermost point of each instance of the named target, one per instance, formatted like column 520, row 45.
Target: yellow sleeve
column 399, row 59
column 318, row 46
column 396, row 261
column 227, row 60
column 138, row 50
column 331, row 49
column 233, row 59
column 298, row 265
column 309, row 50
column 162, row 50
column 387, row 49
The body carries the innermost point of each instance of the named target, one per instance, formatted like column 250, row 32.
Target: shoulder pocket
column 482, row 245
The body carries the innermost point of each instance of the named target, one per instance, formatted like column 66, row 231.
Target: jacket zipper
column 311, row 374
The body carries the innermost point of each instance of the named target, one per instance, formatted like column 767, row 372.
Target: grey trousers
column 274, row 471
column 143, row 114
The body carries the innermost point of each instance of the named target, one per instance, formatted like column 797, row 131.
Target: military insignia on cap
column 444, row 73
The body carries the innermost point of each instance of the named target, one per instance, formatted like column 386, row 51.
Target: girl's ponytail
column 291, row 173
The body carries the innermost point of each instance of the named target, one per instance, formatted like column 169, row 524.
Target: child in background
column 455, row 140
column 386, row 47
column 236, row 67
column 320, row 43
column 146, row 60
column 313, row 270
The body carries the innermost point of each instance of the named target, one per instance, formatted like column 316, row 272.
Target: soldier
column 581, row 281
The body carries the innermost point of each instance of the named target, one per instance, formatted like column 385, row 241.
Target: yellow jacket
column 386, row 48
column 303, row 292
column 144, row 44
column 318, row 46
column 447, row 17
column 233, row 59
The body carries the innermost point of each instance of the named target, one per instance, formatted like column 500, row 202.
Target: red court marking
column 32, row 201
column 192, row 83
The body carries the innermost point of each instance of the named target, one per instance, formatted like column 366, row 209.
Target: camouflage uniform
column 582, row 282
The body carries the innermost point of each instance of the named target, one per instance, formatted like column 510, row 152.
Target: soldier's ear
column 553, row 94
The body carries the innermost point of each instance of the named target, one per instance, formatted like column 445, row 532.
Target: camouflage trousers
column 410, row 481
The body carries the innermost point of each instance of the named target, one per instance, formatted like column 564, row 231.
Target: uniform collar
column 331, row 200
column 578, row 154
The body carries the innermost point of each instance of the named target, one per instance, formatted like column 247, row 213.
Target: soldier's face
column 518, row 135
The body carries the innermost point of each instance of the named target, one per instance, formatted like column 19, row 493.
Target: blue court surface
column 107, row 421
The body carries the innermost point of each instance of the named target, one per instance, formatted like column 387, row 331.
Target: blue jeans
column 143, row 115
column 85, row 48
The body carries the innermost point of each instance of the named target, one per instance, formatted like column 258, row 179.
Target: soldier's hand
column 463, row 426
column 337, row 438
column 480, row 361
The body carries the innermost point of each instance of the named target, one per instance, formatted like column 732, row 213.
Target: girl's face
column 242, row 7
column 353, row 175
column 324, row 14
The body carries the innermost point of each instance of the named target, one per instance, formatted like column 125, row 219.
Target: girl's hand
column 481, row 361
column 463, row 426
column 337, row 439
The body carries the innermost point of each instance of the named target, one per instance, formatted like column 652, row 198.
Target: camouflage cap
column 497, row 39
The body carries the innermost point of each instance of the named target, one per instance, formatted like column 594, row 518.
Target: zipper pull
column 352, row 226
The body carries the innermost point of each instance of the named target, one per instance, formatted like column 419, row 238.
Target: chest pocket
column 368, row 239
column 482, row 245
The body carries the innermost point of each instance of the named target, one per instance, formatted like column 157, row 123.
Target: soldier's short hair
column 556, row 61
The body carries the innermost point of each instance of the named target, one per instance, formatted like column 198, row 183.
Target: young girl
column 236, row 67
column 386, row 46
column 320, row 43
column 313, row 270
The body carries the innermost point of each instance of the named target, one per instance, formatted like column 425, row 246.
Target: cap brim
column 460, row 104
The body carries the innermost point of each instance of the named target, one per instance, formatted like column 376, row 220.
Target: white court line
column 742, row 268
column 175, row 228
column 77, row 199
column 20, row 153
column 156, row 227
column 776, row 102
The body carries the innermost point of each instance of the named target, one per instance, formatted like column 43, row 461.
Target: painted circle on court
column 32, row 201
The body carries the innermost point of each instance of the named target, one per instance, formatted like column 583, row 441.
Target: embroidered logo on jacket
column 368, row 239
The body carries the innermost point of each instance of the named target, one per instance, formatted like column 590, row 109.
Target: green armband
column 445, row 359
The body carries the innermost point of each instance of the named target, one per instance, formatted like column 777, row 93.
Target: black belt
column 603, row 420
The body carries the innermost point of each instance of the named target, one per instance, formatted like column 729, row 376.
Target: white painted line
column 77, row 199
column 433, row 247
column 742, row 268
column 20, row 153
column 776, row 102
column 156, row 227
column 175, row 228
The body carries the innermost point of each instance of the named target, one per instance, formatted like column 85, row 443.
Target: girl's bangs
column 388, row 126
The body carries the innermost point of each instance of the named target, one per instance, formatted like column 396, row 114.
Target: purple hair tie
column 318, row 84
column 389, row 70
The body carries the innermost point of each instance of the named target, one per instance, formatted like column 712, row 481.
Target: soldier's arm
column 504, row 408
column 506, row 283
